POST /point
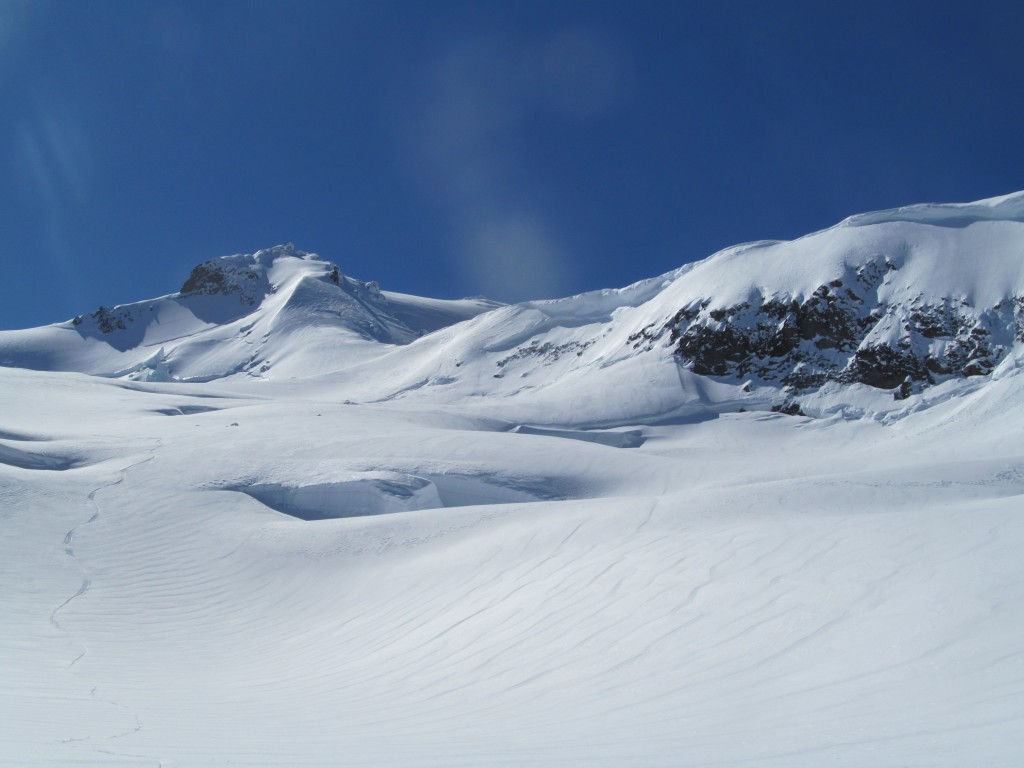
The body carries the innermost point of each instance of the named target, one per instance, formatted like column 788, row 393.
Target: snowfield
column 329, row 528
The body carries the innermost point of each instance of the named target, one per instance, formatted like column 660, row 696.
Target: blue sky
column 511, row 149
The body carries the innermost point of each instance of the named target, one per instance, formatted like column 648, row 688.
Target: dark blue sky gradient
column 513, row 149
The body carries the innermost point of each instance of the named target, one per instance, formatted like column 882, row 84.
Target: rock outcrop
column 842, row 332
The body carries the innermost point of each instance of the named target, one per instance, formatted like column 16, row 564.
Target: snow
column 275, row 313
column 746, row 589
column 394, row 551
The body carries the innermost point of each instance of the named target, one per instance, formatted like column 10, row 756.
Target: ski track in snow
column 69, row 550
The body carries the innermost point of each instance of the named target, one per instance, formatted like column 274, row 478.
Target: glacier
column 285, row 517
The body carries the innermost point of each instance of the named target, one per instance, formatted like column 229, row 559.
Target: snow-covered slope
column 277, row 313
column 856, row 318
column 860, row 319
column 195, row 576
column 533, row 536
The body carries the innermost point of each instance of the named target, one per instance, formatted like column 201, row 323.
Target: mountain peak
column 278, row 311
column 243, row 275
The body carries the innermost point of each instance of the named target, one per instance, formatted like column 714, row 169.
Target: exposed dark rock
column 883, row 367
column 205, row 278
column 980, row 367
column 110, row 320
column 841, row 332
column 546, row 353
column 219, row 277
column 904, row 390
column 789, row 408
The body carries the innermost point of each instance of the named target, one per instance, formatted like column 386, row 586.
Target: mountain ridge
column 235, row 315
column 895, row 301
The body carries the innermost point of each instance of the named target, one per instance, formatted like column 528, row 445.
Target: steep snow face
column 279, row 312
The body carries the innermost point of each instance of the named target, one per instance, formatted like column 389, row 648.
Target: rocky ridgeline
column 242, row 277
column 223, row 278
column 107, row 319
column 842, row 332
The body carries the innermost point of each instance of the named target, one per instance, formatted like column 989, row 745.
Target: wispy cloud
column 36, row 168
column 54, row 162
column 60, row 157
column 513, row 255
column 469, row 137
column 54, row 155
